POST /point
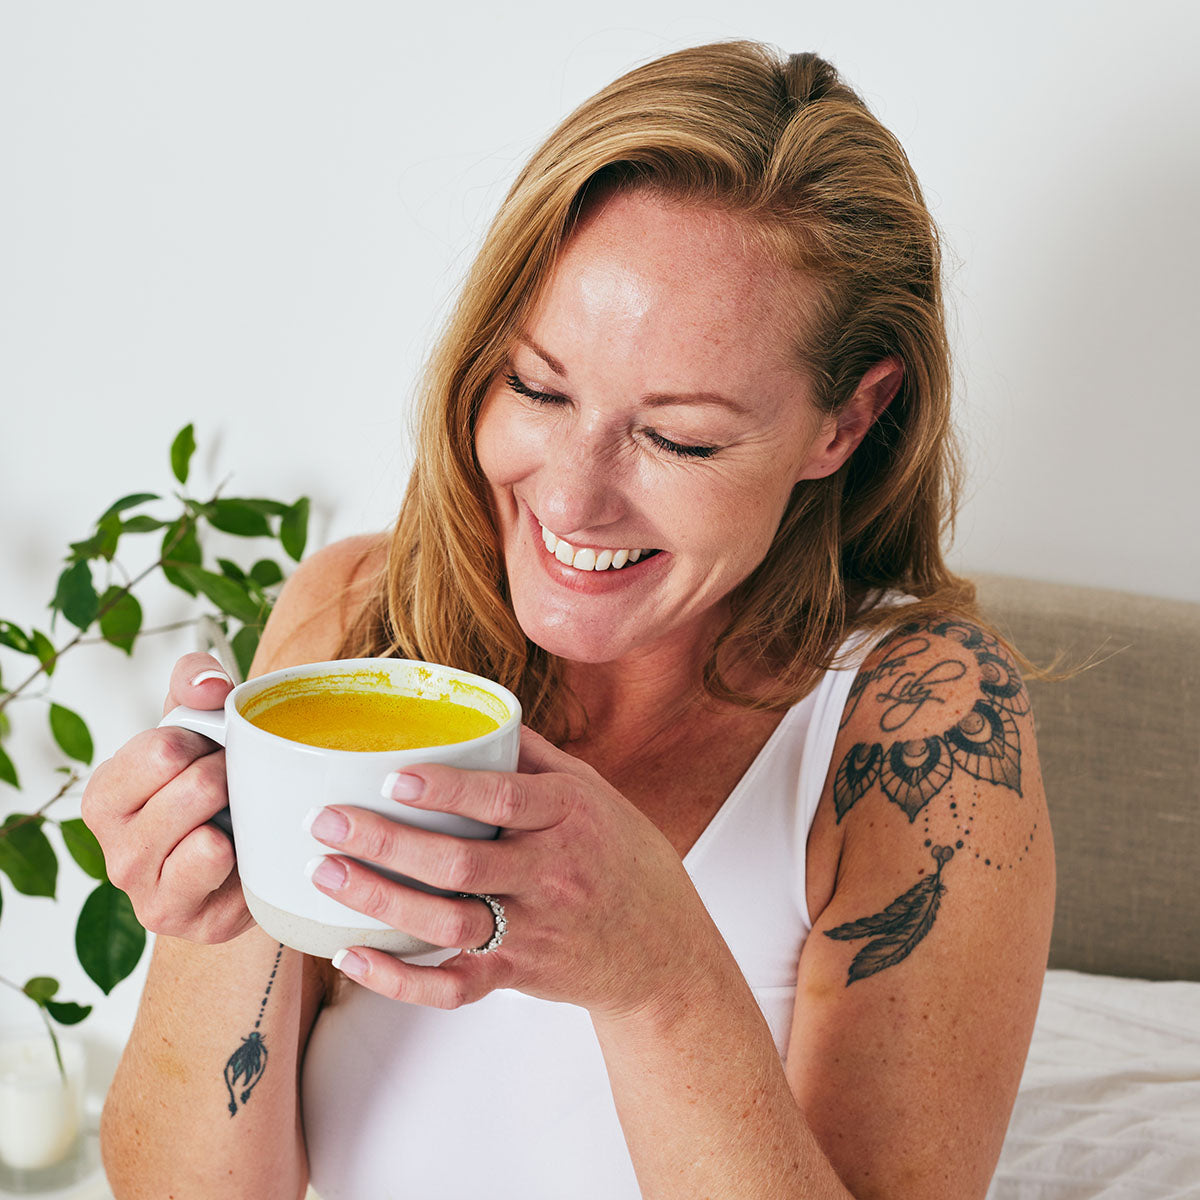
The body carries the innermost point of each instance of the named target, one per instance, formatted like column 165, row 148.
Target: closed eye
column 679, row 449
column 523, row 389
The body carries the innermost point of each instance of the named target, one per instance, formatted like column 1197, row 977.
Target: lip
column 593, row 583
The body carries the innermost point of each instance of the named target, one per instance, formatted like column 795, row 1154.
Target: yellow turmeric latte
column 349, row 718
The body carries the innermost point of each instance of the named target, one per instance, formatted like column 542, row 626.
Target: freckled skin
column 650, row 299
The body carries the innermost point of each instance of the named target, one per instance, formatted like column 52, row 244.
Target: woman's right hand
column 149, row 807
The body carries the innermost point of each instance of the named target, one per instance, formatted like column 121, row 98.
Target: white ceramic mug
column 274, row 782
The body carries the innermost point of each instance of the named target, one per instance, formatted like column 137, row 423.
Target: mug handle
column 212, row 724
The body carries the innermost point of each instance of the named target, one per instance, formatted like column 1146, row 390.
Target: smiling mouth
column 592, row 558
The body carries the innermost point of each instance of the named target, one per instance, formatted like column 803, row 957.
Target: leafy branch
column 234, row 601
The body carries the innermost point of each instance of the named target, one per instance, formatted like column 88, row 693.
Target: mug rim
column 331, row 666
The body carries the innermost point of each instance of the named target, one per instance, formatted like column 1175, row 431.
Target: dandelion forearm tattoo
column 983, row 742
column 248, row 1062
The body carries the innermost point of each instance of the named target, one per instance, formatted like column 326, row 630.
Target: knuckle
column 463, row 867
column 372, row 897
column 208, row 782
column 455, row 927
column 508, row 800
column 372, row 839
column 167, row 754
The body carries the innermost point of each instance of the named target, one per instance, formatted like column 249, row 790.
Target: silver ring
column 499, row 929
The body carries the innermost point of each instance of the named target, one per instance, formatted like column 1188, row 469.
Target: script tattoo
column 248, row 1062
column 983, row 743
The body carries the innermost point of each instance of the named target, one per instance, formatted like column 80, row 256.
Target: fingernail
column 350, row 963
column 205, row 676
column 326, row 825
column 328, row 872
column 399, row 786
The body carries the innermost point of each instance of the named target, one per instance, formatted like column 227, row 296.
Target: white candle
column 40, row 1115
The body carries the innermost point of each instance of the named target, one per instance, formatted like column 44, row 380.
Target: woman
column 776, row 875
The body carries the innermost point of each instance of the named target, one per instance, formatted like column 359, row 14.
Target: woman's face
column 650, row 416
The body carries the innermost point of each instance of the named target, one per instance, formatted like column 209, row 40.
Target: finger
column 439, row 859
column 463, row 923
column 144, row 766
column 196, row 868
column 462, row 980
column 504, row 798
column 538, row 756
column 198, row 681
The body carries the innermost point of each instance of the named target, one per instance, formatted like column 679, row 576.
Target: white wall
column 249, row 215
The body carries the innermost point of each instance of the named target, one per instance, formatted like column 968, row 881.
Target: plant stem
column 62, row 1070
column 62, row 791
column 75, row 641
column 96, row 641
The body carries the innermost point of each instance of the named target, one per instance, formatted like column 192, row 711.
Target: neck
column 635, row 703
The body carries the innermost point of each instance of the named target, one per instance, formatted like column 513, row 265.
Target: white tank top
column 508, row 1098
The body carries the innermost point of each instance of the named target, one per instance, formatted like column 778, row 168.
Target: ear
column 840, row 435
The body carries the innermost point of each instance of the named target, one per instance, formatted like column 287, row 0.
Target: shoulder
column 932, row 695
column 320, row 600
column 935, row 766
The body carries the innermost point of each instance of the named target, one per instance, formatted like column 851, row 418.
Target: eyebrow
column 651, row 398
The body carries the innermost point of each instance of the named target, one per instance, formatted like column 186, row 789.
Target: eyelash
column 680, row 451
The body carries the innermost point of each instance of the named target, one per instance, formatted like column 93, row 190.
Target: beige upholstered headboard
column 1120, row 751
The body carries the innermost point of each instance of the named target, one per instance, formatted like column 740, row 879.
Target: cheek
column 504, row 444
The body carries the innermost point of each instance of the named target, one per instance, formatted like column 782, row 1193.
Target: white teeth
column 586, row 558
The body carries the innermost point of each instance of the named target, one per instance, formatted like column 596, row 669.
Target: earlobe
column 841, row 435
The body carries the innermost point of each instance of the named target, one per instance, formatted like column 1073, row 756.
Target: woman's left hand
column 600, row 910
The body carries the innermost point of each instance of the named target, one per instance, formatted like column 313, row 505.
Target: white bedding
column 1109, row 1106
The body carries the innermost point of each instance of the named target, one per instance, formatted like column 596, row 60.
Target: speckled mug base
column 324, row 941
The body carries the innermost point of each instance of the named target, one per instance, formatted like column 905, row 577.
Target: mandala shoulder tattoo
column 946, row 696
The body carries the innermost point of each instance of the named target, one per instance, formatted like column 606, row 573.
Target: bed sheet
column 1109, row 1106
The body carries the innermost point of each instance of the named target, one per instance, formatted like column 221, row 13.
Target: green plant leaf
column 15, row 638
column 231, row 570
column 66, row 1013
column 180, row 547
column 266, row 572
column 108, row 938
column 40, row 988
column 131, row 501
column 182, row 449
column 293, row 529
column 143, row 524
column 7, row 771
column 5, row 725
column 269, row 508
column 84, row 848
column 75, row 596
column 71, row 733
column 120, row 623
column 228, row 596
column 43, row 647
column 26, row 855
column 244, row 644
column 239, row 518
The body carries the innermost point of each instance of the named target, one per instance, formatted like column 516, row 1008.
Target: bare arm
column 206, row 1098
column 918, row 986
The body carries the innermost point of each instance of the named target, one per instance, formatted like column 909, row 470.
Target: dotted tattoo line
column 263, row 1006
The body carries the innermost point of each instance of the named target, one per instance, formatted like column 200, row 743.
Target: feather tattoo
column 248, row 1062
column 898, row 928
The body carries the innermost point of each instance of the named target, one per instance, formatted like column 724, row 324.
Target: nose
column 579, row 487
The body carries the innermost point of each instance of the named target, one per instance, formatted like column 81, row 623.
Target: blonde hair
column 786, row 146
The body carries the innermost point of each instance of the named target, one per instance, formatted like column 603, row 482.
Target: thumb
column 198, row 681
column 538, row 755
